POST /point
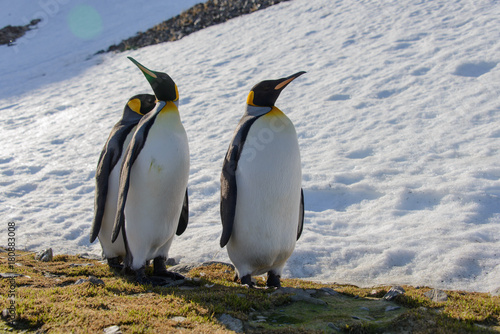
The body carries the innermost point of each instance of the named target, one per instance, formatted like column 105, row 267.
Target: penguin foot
column 159, row 269
column 247, row 280
column 140, row 276
column 115, row 263
column 143, row 279
column 273, row 280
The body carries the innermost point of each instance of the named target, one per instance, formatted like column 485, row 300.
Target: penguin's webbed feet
column 143, row 279
column 115, row 263
column 247, row 280
column 159, row 269
column 273, row 280
column 140, row 276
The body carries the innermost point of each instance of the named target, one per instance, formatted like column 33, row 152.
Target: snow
column 398, row 122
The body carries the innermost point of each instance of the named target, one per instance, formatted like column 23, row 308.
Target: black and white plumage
column 153, row 197
column 108, row 175
column 262, row 203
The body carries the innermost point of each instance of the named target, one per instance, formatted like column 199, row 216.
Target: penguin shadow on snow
column 339, row 197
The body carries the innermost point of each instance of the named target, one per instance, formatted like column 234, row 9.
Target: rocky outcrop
column 196, row 18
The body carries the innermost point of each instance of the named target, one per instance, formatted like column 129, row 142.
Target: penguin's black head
column 265, row 93
column 163, row 86
column 142, row 103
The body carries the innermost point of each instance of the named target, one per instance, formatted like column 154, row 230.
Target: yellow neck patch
column 169, row 106
column 135, row 105
column 275, row 112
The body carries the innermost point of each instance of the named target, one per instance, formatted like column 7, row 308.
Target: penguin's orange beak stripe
column 145, row 70
column 283, row 84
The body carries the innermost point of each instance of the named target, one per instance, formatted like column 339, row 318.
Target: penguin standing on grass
column 108, row 177
column 153, row 196
column 262, row 203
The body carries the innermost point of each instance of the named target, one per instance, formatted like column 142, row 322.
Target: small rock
column 170, row 262
column 364, row 308
column 9, row 275
column 496, row 292
column 95, row 281
column 377, row 293
column 112, row 330
column 91, row 279
column 45, row 255
column 5, row 313
column 393, row 292
column 392, row 308
column 80, row 281
column 330, row 291
column 50, row 275
column 183, row 268
column 436, row 295
column 355, row 317
column 178, row 319
column 231, row 323
column 89, row 256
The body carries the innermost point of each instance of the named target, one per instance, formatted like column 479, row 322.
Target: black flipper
column 301, row 214
column 133, row 150
column 110, row 155
column 228, row 177
column 183, row 219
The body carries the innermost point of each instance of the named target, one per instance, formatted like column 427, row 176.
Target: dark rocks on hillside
column 196, row 18
column 9, row 34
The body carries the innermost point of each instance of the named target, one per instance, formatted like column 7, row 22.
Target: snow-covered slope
column 398, row 121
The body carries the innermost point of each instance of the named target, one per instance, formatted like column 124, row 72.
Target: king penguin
column 262, row 202
column 108, row 176
column 153, row 196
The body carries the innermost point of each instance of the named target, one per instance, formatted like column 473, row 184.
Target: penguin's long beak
column 150, row 75
column 285, row 81
column 163, row 85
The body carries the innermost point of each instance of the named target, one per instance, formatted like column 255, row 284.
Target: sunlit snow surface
column 398, row 119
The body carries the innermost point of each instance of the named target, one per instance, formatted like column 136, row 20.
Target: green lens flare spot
column 85, row 22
